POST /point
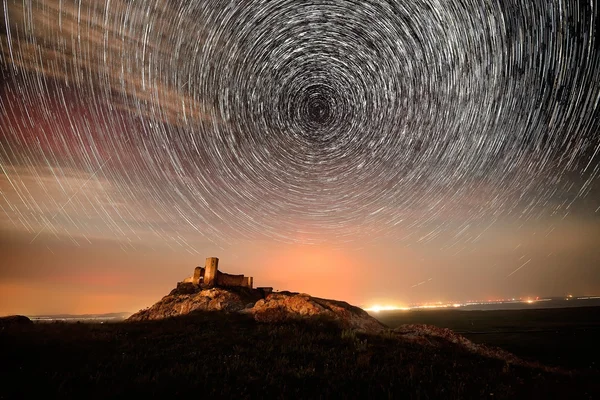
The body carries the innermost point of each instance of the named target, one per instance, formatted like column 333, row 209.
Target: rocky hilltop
column 187, row 298
column 210, row 289
column 265, row 307
column 286, row 305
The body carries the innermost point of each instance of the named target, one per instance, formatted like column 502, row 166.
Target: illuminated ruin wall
column 198, row 276
column 209, row 275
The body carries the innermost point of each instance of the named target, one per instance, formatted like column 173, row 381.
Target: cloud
column 96, row 47
column 83, row 206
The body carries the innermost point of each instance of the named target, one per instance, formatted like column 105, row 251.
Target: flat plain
column 564, row 337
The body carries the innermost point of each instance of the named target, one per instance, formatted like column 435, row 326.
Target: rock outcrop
column 274, row 307
column 185, row 299
column 285, row 305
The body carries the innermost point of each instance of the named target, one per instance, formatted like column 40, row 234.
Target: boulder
column 285, row 305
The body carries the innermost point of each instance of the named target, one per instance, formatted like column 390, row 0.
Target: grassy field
column 231, row 356
column 566, row 337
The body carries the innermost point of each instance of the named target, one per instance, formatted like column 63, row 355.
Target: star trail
column 318, row 122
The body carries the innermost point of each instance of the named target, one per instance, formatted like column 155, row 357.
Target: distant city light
column 433, row 305
column 377, row 308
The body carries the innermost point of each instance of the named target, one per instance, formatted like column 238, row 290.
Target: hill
column 232, row 355
column 245, row 343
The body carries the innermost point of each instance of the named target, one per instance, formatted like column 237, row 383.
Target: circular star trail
column 297, row 121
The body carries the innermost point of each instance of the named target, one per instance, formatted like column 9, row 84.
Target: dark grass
column 565, row 337
column 215, row 355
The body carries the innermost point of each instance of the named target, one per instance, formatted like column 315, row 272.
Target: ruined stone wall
column 230, row 280
column 198, row 274
column 249, row 282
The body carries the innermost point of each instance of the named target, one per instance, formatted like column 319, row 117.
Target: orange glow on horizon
column 25, row 300
column 317, row 270
column 378, row 308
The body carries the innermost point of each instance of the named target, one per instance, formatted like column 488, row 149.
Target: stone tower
column 211, row 267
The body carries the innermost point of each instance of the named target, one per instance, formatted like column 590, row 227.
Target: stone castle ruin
column 209, row 276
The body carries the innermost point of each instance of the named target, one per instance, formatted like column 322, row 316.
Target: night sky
column 371, row 151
